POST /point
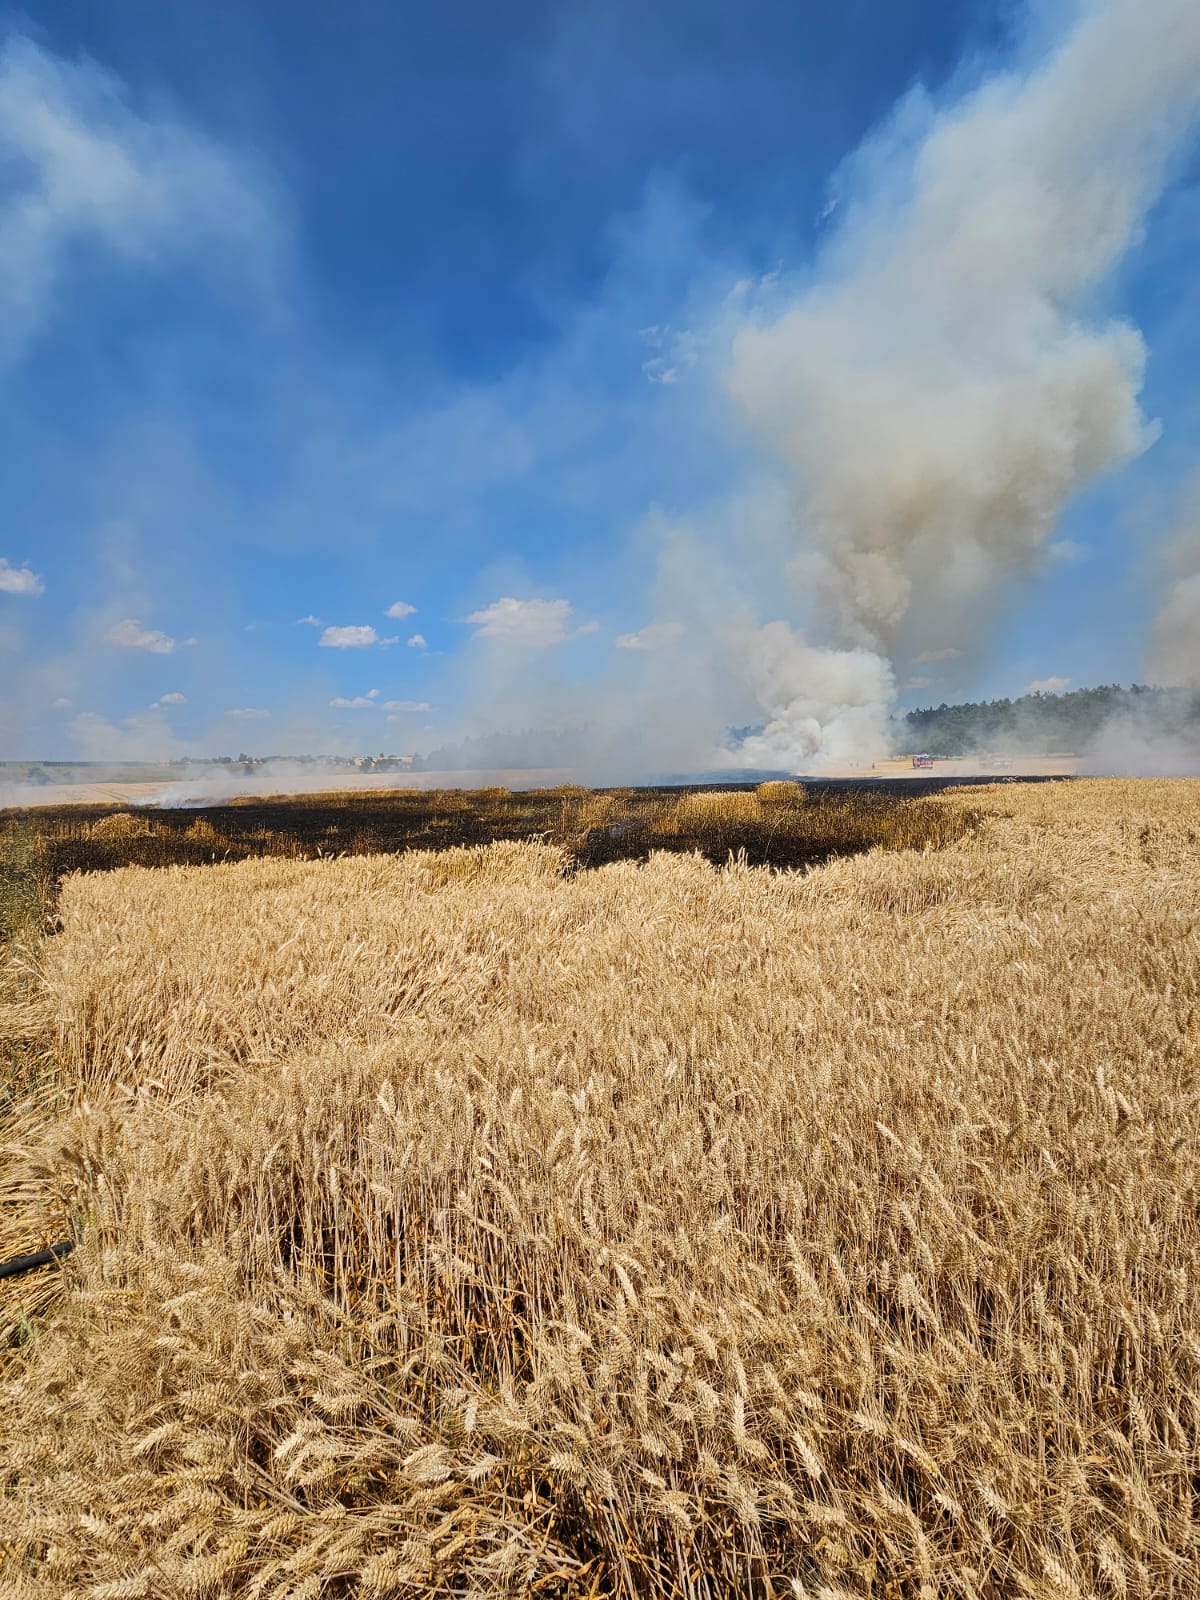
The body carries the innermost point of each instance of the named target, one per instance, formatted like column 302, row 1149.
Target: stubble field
column 473, row 1223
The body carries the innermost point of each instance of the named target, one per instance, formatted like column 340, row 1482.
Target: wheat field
column 467, row 1225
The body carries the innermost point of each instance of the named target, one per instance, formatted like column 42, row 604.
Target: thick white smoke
column 822, row 705
column 946, row 385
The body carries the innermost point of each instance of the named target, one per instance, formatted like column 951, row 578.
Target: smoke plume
column 946, row 383
column 821, row 704
column 1174, row 652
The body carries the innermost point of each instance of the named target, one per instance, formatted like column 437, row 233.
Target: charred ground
column 784, row 826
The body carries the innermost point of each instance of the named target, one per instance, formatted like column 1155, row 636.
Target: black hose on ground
column 40, row 1258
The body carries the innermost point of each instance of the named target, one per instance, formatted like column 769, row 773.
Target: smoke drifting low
column 944, row 386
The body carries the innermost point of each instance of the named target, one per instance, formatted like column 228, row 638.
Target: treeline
column 1048, row 722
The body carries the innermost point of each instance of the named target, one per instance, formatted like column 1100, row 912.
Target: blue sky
column 584, row 332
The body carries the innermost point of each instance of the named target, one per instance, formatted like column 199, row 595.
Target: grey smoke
column 946, row 385
column 1173, row 655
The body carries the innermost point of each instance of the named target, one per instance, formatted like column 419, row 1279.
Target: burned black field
column 784, row 826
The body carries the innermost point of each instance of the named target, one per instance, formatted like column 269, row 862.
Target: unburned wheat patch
column 464, row 1224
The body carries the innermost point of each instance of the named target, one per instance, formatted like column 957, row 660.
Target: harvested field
column 464, row 1223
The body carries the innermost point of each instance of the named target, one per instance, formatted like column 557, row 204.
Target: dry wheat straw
column 455, row 1225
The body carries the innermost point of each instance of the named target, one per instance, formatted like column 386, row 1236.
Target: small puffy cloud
column 349, row 638
column 19, row 580
column 309, row 622
column 916, row 683
column 405, row 705
column 360, row 702
column 61, row 704
column 655, row 636
column 949, row 654
column 173, row 699
column 130, row 634
column 417, row 642
column 533, row 623
column 248, row 713
column 400, row 608
column 1047, row 686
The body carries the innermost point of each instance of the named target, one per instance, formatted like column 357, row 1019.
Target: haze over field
column 829, row 379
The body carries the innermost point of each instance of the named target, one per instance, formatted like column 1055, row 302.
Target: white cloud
column 417, row 642
column 132, row 636
column 916, row 683
column 19, row 580
column 950, row 654
column 400, row 608
column 349, row 638
column 248, row 713
column 309, row 622
column 655, row 636
column 61, row 704
column 534, row 623
column 1047, row 686
column 405, row 705
column 173, row 699
column 83, row 167
column 360, row 702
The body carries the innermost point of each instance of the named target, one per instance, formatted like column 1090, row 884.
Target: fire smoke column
column 823, row 706
column 1174, row 650
column 944, row 385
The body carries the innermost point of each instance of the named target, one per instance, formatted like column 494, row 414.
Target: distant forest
column 1048, row 722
